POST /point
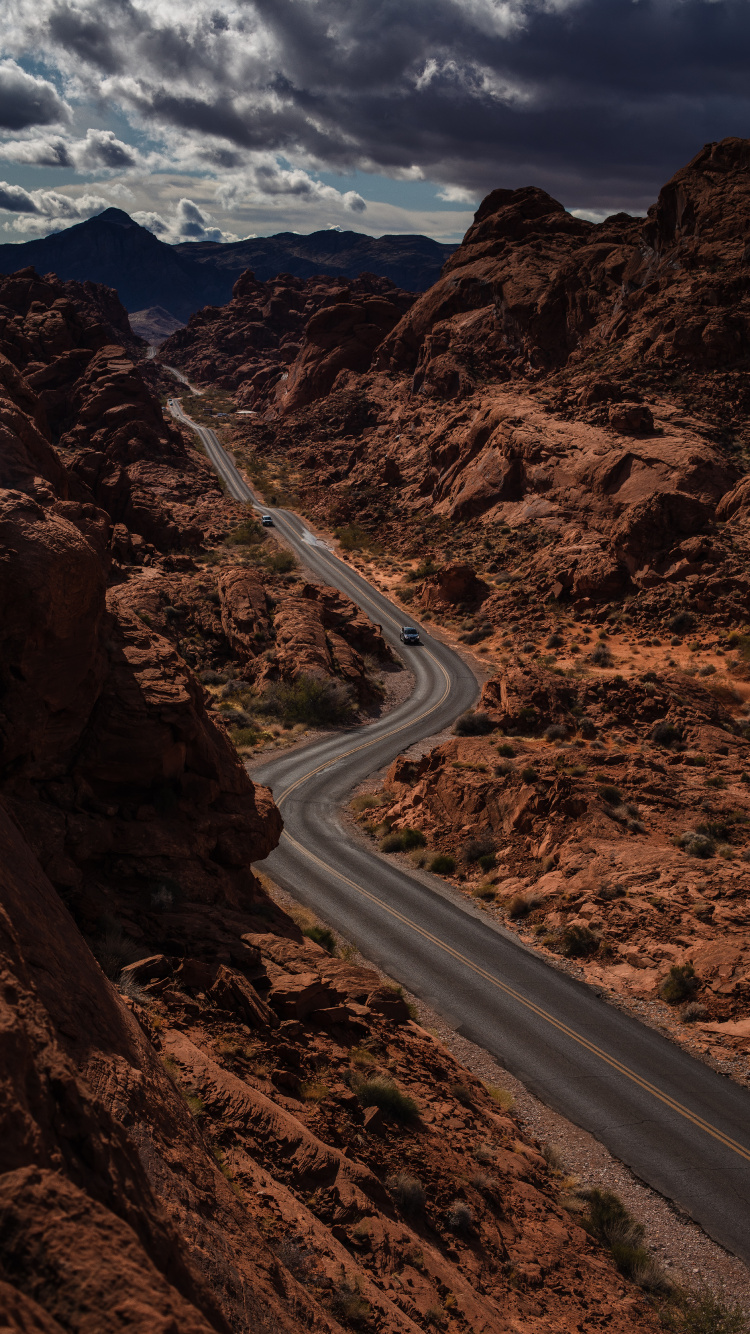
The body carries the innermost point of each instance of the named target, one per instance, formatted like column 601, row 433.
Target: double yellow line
column 618, row 1066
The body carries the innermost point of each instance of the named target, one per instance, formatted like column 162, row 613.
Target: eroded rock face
column 280, row 344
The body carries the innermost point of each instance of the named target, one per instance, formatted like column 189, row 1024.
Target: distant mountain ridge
column 113, row 249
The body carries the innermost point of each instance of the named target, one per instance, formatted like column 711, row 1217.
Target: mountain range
column 112, row 248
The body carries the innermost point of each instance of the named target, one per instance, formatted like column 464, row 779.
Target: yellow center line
column 588, row 1046
column 364, row 745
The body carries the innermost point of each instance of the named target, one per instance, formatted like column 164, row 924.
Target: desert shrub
column 247, row 534
column 460, row 1217
column 296, row 1259
column 366, row 801
column 529, row 774
column 309, row 700
column 702, row 1312
column 707, row 670
column 681, row 623
column 477, row 847
column 313, row 1090
column 555, row 641
column 601, row 656
column 402, row 840
column 114, row 950
column 128, row 986
column 503, row 1097
column 693, row 1013
column 212, row 678
column 485, row 892
column 680, row 984
column 576, row 942
column 362, row 1058
column 462, row 1093
column 384, row 1093
column 665, row 733
column 443, row 864
column 407, row 1192
column 503, row 769
column 486, row 861
column 695, row 844
column 473, row 724
column 715, row 781
column 610, row 794
column 282, row 562
column 353, row 537
column 322, row 936
column 506, row 750
column 587, row 728
column 349, row 1306
column 243, row 736
column 608, row 1220
column 391, row 842
column 556, row 732
column 520, row 906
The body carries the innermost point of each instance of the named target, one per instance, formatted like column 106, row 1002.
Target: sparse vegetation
column 407, row 1192
column 577, row 942
column 322, row 935
column 473, row 724
column 402, row 840
column 443, row 864
column 460, row 1218
column 608, row 1220
column 384, row 1093
column 680, row 984
column 311, row 700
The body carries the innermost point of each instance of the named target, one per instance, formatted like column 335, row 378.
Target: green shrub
column 402, row 840
column 487, row 861
column 681, row 623
column 308, row 699
column 247, row 534
column 243, row 736
column 384, row 1093
column 282, row 562
column 577, row 942
column 608, row 1220
column 506, row 750
column 680, row 984
column 473, row 724
column 443, row 864
column 353, row 537
column 529, row 774
column 322, row 936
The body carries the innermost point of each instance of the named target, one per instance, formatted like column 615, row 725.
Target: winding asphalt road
column 679, row 1125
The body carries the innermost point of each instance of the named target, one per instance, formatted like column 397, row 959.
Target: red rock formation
column 316, row 326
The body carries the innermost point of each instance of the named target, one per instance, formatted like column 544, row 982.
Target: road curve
column 679, row 1125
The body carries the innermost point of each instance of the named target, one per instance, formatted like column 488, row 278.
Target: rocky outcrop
column 281, row 344
column 533, row 288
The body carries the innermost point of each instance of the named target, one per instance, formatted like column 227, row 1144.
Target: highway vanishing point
column 680, row 1126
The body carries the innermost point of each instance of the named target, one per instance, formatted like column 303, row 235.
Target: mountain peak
column 118, row 216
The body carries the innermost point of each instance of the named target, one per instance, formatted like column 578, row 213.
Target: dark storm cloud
column 27, row 101
column 596, row 100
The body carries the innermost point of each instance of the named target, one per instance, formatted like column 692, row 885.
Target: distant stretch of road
column 680, row 1126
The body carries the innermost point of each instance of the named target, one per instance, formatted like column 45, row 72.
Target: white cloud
column 38, row 210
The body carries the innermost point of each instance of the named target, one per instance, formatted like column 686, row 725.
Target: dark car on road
column 410, row 635
column 267, row 521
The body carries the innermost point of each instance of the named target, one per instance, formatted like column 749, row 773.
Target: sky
column 222, row 119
